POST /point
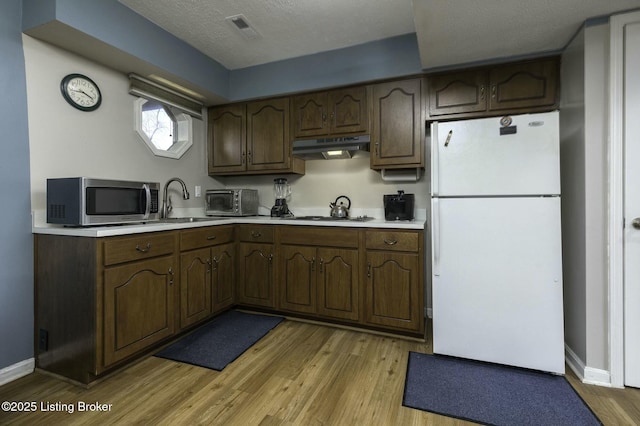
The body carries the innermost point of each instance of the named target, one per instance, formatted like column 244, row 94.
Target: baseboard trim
column 587, row 375
column 17, row 370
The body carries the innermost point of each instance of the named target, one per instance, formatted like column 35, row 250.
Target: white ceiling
column 449, row 32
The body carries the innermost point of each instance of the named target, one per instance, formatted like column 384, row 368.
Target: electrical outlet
column 198, row 191
column 43, row 340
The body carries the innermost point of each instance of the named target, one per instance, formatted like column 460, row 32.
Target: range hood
column 331, row 148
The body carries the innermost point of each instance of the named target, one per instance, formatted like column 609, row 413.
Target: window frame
column 183, row 130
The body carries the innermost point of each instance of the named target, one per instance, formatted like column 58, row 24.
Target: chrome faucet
column 166, row 202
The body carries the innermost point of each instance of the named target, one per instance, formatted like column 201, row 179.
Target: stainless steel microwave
column 231, row 202
column 82, row 201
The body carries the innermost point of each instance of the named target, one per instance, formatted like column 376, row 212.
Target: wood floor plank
column 298, row 374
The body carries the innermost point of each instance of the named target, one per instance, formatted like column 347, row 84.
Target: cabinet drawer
column 142, row 246
column 256, row 233
column 393, row 240
column 204, row 237
column 319, row 236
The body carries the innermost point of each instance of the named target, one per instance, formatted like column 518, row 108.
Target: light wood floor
column 299, row 374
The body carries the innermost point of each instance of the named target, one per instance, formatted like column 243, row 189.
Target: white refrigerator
column 496, row 241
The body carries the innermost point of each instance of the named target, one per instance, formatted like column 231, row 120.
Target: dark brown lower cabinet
column 223, row 273
column 102, row 302
column 338, row 283
column 394, row 289
column 138, row 306
column 297, row 278
column 195, row 286
column 207, row 279
column 318, row 271
column 256, row 275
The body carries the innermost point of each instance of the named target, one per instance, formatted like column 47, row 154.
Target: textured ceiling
column 289, row 28
column 463, row 31
column 449, row 32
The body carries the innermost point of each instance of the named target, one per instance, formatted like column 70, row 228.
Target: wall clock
column 81, row 92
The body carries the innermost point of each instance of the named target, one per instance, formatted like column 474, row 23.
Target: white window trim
column 184, row 130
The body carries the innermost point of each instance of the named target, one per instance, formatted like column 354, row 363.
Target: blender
column 282, row 191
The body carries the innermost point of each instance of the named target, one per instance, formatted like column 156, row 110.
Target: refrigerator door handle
column 435, row 237
column 434, row 158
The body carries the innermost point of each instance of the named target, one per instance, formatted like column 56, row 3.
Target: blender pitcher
column 282, row 191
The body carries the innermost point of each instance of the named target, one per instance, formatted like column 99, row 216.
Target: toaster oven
column 231, row 202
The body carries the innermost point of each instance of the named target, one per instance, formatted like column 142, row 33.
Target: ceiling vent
column 241, row 23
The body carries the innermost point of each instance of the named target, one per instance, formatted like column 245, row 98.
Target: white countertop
column 138, row 228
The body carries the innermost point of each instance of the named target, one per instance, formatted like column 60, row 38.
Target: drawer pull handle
column 170, row 275
column 390, row 242
column 144, row 249
column 211, row 237
column 256, row 234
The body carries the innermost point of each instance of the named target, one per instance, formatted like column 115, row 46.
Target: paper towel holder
column 401, row 175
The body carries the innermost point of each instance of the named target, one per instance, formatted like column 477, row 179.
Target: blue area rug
column 219, row 342
column 492, row 394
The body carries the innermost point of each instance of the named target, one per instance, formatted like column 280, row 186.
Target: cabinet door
column 268, row 143
column 392, row 290
column 338, row 283
column 138, row 306
column 348, row 111
column 310, row 115
column 255, row 284
column 456, row 93
column 222, row 276
column 227, row 139
column 195, row 286
column 298, row 278
column 523, row 85
column 398, row 125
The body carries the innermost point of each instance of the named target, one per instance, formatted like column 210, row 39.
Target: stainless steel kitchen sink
column 188, row 219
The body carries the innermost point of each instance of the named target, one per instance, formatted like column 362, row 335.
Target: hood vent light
column 330, row 149
column 240, row 23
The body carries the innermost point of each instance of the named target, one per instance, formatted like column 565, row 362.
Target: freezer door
column 473, row 158
column 497, row 281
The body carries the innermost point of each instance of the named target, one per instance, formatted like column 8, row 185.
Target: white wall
column 67, row 142
column 572, row 167
column 325, row 180
column 584, row 125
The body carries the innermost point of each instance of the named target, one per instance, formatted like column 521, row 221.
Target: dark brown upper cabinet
column 529, row 86
column 336, row 112
column 252, row 138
